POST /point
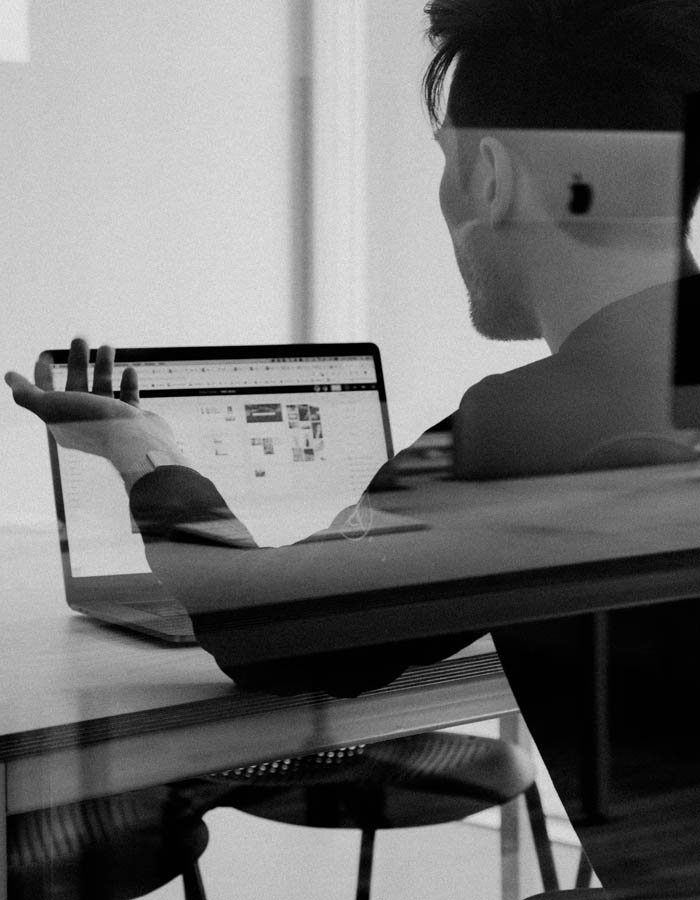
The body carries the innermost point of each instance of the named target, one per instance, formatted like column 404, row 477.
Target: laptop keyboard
column 166, row 609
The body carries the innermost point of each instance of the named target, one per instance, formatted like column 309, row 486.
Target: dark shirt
column 202, row 574
column 611, row 377
column 603, row 400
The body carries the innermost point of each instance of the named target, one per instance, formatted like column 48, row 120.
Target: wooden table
column 87, row 711
column 495, row 553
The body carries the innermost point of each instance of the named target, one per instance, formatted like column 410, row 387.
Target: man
column 533, row 270
column 603, row 298
column 600, row 294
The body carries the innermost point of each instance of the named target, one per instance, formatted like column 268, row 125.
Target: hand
column 94, row 422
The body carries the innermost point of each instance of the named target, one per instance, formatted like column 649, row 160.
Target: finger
column 104, row 364
column 43, row 372
column 62, row 407
column 129, row 388
column 25, row 393
column 77, row 379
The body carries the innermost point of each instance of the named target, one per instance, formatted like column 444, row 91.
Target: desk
column 496, row 553
column 89, row 711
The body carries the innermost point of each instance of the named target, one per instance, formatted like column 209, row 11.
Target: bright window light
column 14, row 31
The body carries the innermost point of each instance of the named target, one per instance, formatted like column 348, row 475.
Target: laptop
column 289, row 434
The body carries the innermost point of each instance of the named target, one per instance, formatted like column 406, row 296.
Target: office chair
column 110, row 848
column 423, row 779
column 582, row 891
column 637, row 449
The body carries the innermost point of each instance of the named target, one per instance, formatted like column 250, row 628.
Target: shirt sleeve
column 181, row 516
column 173, row 502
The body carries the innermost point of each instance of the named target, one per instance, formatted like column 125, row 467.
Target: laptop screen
column 289, row 435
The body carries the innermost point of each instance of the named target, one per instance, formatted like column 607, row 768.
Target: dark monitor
column 686, row 369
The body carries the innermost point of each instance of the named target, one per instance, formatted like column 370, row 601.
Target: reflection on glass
column 257, row 492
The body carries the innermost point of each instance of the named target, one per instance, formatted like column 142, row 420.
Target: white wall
column 418, row 310
column 147, row 180
column 383, row 266
column 152, row 189
column 152, row 192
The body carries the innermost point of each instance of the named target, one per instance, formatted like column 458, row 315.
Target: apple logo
column 581, row 198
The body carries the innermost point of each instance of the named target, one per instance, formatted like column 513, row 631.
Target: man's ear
column 499, row 181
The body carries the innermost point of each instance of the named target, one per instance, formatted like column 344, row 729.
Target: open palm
column 93, row 420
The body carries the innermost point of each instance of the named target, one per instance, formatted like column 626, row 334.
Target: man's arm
column 194, row 543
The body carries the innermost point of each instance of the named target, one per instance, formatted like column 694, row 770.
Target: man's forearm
column 172, row 501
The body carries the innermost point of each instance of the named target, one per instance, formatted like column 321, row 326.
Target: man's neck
column 584, row 281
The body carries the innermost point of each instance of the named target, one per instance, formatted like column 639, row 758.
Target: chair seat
column 423, row 779
column 111, row 848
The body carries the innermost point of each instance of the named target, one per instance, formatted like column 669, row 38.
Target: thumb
column 24, row 392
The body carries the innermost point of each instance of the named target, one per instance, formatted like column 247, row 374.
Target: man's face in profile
column 481, row 252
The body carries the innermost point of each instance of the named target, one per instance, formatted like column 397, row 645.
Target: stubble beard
column 495, row 312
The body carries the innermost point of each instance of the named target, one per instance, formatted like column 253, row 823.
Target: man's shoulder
column 522, row 379
column 528, row 391
column 609, row 378
column 504, row 420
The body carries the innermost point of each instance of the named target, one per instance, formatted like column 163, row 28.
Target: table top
column 495, row 553
column 87, row 709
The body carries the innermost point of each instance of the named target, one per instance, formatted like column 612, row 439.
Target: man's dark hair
column 571, row 64
column 580, row 64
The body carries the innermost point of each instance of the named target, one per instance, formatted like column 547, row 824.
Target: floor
column 645, row 842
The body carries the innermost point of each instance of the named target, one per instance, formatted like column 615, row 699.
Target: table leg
column 595, row 770
column 3, row 833
column 511, row 729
